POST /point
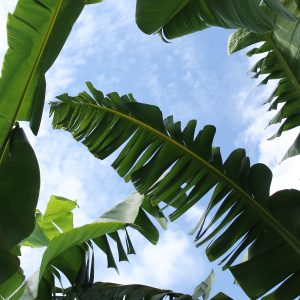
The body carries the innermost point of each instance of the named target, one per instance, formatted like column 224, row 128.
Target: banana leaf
column 280, row 61
column 19, row 192
column 175, row 18
column 70, row 251
column 36, row 31
column 179, row 167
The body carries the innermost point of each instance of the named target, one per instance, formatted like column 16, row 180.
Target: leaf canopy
column 69, row 251
column 178, row 167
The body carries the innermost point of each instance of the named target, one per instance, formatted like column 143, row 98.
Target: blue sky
column 190, row 78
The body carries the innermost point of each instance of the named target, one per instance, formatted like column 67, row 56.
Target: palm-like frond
column 282, row 62
column 70, row 251
column 175, row 18
column 36, row 31
column 153, row 146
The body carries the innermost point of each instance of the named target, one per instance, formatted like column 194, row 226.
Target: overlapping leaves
column 179, row 167
column 85, row 288
column 69, row 251
column 282, row 62
column 175, row 18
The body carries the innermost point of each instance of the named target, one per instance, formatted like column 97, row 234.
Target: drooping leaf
column 69, row 251
column 101, row 290
column 19, row 190
column 285, row 206
column 37, row 31
column 179, row 167
column 204, row 288
column 281, row 61
column 177, row 18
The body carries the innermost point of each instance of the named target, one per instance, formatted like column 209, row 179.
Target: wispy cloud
column 165, row 265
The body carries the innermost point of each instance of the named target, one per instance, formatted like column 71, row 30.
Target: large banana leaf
column 282, row 62
column 179, row 167
column 37, row 31
column 69, row 251
column 175, row 18
column 19, row 191
column 85, row 288
column 9, row 287
column 113, row 291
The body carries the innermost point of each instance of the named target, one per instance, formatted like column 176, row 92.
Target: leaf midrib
column 282, row 61
column 277, row 226
column 31, row 75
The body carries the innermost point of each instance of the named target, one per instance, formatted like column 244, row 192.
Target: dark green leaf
column 177, row 18
column 171, row 166
column 101, row 290
column 37, row 31
column 19, row 190
column 281, row 61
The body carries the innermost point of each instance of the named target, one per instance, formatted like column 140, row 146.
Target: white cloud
column 169, row 264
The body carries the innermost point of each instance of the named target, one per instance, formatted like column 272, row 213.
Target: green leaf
column 57, row 218
column 221, row 296
column 281, row 61
column 70, row 261
column 9, row 287
column 92, row 1
column 129, row 211
column 269, row 247
column 37, row 31
column 177, row 18
column 67, row 240
column 294, row 149
column 178, row 167
column 68, row 251
column 204, row 288
column 10, row 264
column 36, row 239
column 19, row 190
column 106, row 290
